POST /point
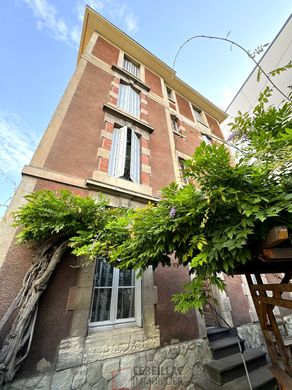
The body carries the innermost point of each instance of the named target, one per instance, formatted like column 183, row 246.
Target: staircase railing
column 239, row 340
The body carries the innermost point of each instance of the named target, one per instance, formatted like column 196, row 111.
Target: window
column 131, row 67
column 206, row 139
column 174, row 124
column 181, row 162
column 116, row 295
column 199, row 116
column 125, row 155
column 169, row 93
column 129, row 99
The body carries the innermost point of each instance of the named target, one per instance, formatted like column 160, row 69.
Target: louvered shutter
column 135, row 103
column 131, row 67
column 135, row 158
column 129, row 100
column 118, row 152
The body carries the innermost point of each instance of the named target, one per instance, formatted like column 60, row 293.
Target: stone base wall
column 176, row 366
column 253, row 336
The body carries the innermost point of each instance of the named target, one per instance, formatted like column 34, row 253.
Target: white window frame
column 118, row 154
column 207, row 139
column 199, row 117
column 170, row 94
column 137, row 319
column 129, row 99
column 131, row 66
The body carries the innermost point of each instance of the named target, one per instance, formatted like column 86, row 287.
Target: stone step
column 218, row 333
column 225, row 347
column 231, row 367
column 261, row 379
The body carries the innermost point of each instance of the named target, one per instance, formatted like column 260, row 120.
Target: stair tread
column 229, row 362
column 223, row 343
column 216, row 330
column 258, row 377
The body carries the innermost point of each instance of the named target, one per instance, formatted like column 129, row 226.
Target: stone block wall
column 176, row 366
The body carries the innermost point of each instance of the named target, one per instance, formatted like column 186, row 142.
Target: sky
column 39, row 43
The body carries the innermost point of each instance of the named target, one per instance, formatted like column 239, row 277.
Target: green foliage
column 62, row 214
column 211, row 225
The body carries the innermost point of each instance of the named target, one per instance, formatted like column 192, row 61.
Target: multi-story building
column 123, row 127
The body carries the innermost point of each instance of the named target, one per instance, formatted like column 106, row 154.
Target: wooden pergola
column 274, row 257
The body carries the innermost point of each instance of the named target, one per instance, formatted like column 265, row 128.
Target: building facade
column 123, row 127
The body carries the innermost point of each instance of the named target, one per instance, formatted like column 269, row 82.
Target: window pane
column 127, row 277
column 126, row 303
column 104, row 273
column 101, row 304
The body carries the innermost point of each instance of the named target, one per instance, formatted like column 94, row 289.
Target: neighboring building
column 123, row 127
column 278, row 54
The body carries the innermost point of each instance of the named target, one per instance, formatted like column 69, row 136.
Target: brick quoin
column 109, row 126
column 144, row 159
column 113, row 100
column 103, row 164
column 144, row 143
column 106, row 144
column 145, row 178
column 115, row 89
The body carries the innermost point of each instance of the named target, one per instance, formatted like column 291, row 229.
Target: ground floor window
column 116, row 296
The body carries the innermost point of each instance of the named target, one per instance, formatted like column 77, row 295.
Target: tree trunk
column 17, row 343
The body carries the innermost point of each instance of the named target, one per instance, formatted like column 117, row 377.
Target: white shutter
column 131, row 67
column 129, row 100
column 135, row 158
column 134, row 108
column 118, row 152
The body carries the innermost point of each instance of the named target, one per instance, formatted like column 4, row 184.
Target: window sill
column 119, row 187
column 179, row 134
column 122, row 114
column 135, row 79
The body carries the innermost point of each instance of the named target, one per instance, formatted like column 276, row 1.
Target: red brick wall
column 74, row 151
column 53, row 320
column 188, row 145
column 184, row 107
column 239, row 302
column 153, row 82
column 162, row 170
column 214, row 126
column 106, row 51
column 173, row 325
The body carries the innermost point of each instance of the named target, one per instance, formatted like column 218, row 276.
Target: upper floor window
column 182, row 169
column 129, row 99
column 125, row 154
column 116, row 295
column 174, row 124
column 206, row 139
column 131, row 66
column 169, row 93
column 199, row 116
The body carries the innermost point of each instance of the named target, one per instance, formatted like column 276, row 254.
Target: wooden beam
column 272, row 287
column 283, row 254
column 282, row 377
column 275, row 301
column 275, row 236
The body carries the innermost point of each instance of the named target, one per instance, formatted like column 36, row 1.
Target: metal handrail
column 239, row 339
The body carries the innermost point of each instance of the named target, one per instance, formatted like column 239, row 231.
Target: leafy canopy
column 211, row 225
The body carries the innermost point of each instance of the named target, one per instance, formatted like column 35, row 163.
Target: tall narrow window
column 131, row 67
column 206, row 139
column 174, row 124
column 169, row 93
column 129, row 99
column 125, row 155
column 199, row 116
column 116, row 295
column 181, row 162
